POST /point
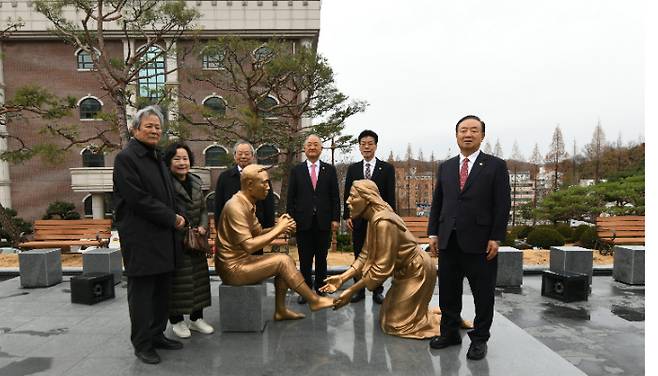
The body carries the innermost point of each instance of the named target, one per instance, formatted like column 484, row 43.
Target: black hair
column 368, row 133
column 170, row 152
column 469, row 117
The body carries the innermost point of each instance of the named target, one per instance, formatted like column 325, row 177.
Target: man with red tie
column 313, row 201
column 468, row 220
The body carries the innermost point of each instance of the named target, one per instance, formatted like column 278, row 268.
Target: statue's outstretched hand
column 343, row 299
column 332, row 284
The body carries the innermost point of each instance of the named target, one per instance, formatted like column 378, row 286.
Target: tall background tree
column 556, row 154
column 594, row 150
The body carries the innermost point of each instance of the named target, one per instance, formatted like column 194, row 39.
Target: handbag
column 194, row 242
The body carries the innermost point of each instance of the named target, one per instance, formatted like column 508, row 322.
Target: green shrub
column 588, row 238
column 524, row 231
column 565, row 230
column 22, row 226
column 61, row 209
column 578, row 231
column 545, row 238
column 344, row 242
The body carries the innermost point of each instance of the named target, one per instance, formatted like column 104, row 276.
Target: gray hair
column 312, row 135
column 243, row 142
column 148, row 110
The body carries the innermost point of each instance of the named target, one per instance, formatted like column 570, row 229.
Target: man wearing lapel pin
column 383, row 175
column 468, row 220
column 228, row 184
column 313, row 201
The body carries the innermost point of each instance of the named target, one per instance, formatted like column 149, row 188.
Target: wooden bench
column 59, row 233
column 619, row 230
column 418, row 227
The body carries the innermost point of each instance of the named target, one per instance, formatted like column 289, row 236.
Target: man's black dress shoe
column 477, row 350
column 378, row 297
column 440, row 342
column 359, row 296
column 301, row 300
column 148, row 356
column 165, row 343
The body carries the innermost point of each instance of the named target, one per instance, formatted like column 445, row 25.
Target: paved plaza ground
column 42, row 333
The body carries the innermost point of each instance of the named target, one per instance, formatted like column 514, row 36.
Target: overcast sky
column 523, row 66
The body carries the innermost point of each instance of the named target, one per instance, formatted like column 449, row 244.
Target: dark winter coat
column 191, row 284
column 145, row 211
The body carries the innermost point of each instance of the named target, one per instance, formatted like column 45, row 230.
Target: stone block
column 572, row 260
column 241, row 308
column 40, row 267
column 628, row 264
column 510, row 267
column 103, row 260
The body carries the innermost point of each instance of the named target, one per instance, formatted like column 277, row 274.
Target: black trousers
column 313, row 243
column 358, row 239
column 148, row 304
column 454, row 265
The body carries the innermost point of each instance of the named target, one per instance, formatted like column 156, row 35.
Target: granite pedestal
column 573, row 260
column 628, row 264
column 510, row 267
column 40, row 267
column 103, row 260
column 241, row 308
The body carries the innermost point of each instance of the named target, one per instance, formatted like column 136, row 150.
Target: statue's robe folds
column 391, row 250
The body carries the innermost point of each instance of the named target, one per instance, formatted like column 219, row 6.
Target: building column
column 171, row 82
column 98, row 205
column 5, row 181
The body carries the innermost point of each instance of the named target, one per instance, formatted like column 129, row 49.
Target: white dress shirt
column 372, row 163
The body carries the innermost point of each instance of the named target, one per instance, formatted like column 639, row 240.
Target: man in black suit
column 313, row 201
column 468, row 220
column 147, row 218
column 228, row 184
column 383, row 174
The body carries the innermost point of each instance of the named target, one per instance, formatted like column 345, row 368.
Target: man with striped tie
column 383, row 175
column 468, row 220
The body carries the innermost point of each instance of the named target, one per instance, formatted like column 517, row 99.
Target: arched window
column 210, row 203
column 212, row 58
column 89, row 108
column 84, row 59
column 152, row 76
column 216, row 104
column 91, row 159
column 86, row 203
column 267, row 155
column 215, row 156
column 265, row 106
column 263, row 54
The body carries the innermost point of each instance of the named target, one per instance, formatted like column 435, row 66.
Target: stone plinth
column 628, row 264
column 40, row 267
column 510, row 267
column 241, row 308
column 572, row 259
column 103, row 260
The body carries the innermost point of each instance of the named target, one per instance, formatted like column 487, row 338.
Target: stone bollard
column 628, row 264
column 573, row 260
column 510, row 267
column 103, row 260
column 40, row 267
column 241, row 308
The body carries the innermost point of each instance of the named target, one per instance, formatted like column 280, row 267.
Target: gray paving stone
column 510, row 267
column 40, row 267
column 572, row 259
column 628, row 264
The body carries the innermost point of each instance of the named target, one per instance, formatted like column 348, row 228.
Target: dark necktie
column 463, row 174
column 368, row 175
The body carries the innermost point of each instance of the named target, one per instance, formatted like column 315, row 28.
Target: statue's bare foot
column 467, row 324
column 436, row 311
column 288, row 315
column 322, row 303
